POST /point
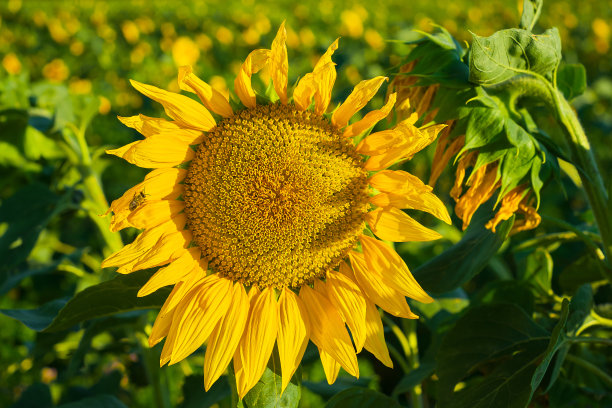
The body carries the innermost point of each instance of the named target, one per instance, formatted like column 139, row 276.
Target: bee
column 137, row 201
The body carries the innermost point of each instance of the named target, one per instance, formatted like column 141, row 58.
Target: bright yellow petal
column 397, row 182
column 148, row 127
column 144, row 243
column 198, row 314
column 172, row 273
column 152, row 213
column 279, row 63
column 428, row 202
column 182, row 109
column 255, row 61
column 330, row 367
column 361, row 95
column 371, row 118
column 348, row 300
column 391, row 224
column 156, row 152
column 194, row 277
column 373, row 285
column 318, row 83
column 225, row 337
column 382, row 258
column 257, row 341
column 210, row 97
column 326, row 58
column 329, row 332
column 379, row 142
column 166, row 250
column 375, row 338
column 293, row 334
column 159, row 184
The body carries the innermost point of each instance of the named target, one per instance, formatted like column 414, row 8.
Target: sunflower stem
column 410, row 327
column 591, row 368
column 584, row 339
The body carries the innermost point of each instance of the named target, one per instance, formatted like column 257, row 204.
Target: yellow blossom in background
column 271, row 229
column 185, row 51
column 374, row 39
column 56, row 70
column 11, row 63
column 224, row 35
column 80, row 86
column 77, row 47
column 130, row 31
column 601, row 29
column 204, row 42
column 352, row 23
column 105, row 105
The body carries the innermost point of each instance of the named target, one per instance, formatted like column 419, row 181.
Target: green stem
column 597, row 340
column 590, row 367
column 399, row 357
column 156, row 376
column 583, row 157
column 410, row 327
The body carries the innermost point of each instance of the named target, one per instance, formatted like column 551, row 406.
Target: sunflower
column 266, row 214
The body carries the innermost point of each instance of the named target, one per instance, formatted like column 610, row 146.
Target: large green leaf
column 504, row 54
column 465, row 259
column 267, row 391
column 482, row 334
column 108, row 298
column 37, row 319
column 484, row 126
column 361, row 397
column 571, row 80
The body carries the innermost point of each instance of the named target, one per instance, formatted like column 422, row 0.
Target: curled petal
column 210, row 97
column 149, row 126
column 254, row 62
column 391, row 224
column 279, row 64
column 397, row 182
column 185, row 111
column 156, row 152
column 361, row 95
column 424, row 201
column 371, row 118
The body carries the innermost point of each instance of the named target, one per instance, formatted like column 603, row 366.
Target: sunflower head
column 265, row 217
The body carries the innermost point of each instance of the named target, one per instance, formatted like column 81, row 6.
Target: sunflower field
column 305, row 204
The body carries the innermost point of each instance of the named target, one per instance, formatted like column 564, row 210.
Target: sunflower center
column 275, row 197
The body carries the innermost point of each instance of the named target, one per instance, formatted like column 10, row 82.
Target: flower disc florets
column 275, row 196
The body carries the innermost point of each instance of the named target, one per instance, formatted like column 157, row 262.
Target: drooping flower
column 481, row 182
column 266, row 215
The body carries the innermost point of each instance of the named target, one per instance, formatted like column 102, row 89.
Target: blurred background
column 61, row 58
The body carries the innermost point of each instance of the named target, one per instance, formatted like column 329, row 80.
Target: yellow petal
column 279, row 63
column 144, row 243
column 361, row 95
column 148, row 127
column 318, row 83
column 182, row 109
column 348, row 300
column 255, row 61
column 428, row 202
column 159, row 184
column 293, row 334
column 225, row 337
column 371, row 118
column 198, row 314
column 329, row 332
column 161, row 327
column 391, row 224
column 194, row 277
column 210, row 97
column 156, row 152
column 166, row 250
column 375, row 337
column 152, row 213
column 373, row 285
column 397, row 182
column 257, row 341
column 379, row 142
column 383, row 259
column 172, row 273
column 330, row 367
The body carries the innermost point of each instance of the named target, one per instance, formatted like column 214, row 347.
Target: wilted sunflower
column 257, row 212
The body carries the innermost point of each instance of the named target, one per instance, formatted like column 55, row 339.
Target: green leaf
column 484, row 125
column 508, row 52
column 266, row 393
column 108, row 298
column 36, row 319
column 196, row 397
column 509, row 291
column 37, row 145
column 571, row 80
column 557, row 340
column 361, row 397
column 531, row 13
column 465, row 259
column 538, row 271
column 27, row 213
column 585, row 269
column 98, row 401
column 483, row 334
column 579, row 308
column 36, row 395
